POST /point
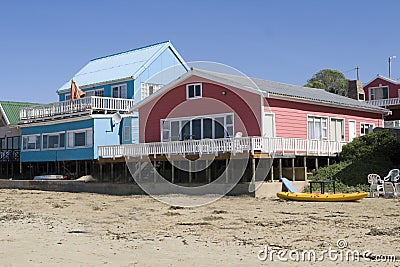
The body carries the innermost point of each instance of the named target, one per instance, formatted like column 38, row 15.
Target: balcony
column 271, row 146
column 9, row 155
column 86, row 105
column 392, row 124
column 385, row 102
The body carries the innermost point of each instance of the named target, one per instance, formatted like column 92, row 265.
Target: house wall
column 164, row 69
column 393, row 88
column 104, row 133
column 291, row 117
column 107, row 89
column 246, row 107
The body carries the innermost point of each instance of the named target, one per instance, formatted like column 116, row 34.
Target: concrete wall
column 269, row 189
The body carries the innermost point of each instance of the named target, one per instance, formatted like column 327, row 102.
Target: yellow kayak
column 321, row 197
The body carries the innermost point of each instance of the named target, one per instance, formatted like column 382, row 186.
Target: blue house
column 63, row 137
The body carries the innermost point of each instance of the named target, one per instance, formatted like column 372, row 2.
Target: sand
column 80, row 229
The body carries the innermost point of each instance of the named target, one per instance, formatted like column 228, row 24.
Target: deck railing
column 385, row 102
column 392, row 124
column 271, row 146
column 86, row 104
column 9, row 155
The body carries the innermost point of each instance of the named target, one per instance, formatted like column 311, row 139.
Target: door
column 352, row 130
column 337, row 130
column 269, row 125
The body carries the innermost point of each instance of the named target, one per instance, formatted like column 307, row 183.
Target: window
column 361, row 96
column 127, row 133
column 193, row 90
column 119, row 91
column 148, row 89
column 366, row 128
column 16, row 145
column 80, row 138
column 31, row 142
column 207, row 127
column 67, row 97
column 3, row 144
column 317, row 128
column 9, row 143
column 381, row 92
column 95, row 92
column 53, row 140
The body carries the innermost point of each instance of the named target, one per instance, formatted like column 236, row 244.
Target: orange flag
column 76, row 92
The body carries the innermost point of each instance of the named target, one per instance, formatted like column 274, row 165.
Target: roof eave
column 4, row 114
column 65, row 90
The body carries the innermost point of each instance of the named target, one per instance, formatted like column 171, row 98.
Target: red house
column 385, row 92
column 208, row 113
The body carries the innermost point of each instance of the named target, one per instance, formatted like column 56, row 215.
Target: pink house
column 292, row 127
column 385, row 92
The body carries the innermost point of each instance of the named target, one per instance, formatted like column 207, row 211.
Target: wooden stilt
column 226, row 171
column 316, row 164
column 293, row 171
column 328, row 161
column 190, row 171
column 112, row 171
column 280, row 168
column 126, row 172
column 253, row 169
column 140, row 171
column 272, row 170
column 86, row 168
column 154, row 172
column 172, row 172
column 208, row 172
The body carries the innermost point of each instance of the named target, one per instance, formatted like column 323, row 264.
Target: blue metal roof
column 119, row 66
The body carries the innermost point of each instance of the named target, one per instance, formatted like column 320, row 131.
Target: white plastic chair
column 390, row 190
column 375, row 184
column 393, row 176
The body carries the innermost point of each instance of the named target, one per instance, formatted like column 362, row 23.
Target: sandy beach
column 80, row 229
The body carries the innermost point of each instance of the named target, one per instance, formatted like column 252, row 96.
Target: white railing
column 86, row 104
column 392, row 124
column 271, row 146
column 385, row 102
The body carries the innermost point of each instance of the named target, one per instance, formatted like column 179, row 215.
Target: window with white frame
column 67, row 97
column 95, row 92
column 80, row 138
column 381, row 92
column 366, row 128
column 148, row 89
column 53, row 140
column 317, row 128
column 127, row 133
column 205, row 127
column 119, row 91
column 194, row 90
column 31, row 142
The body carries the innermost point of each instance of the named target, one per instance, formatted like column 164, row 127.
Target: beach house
column 63, row 137
column 10, row 138
column 384, row 92
column 291, row 128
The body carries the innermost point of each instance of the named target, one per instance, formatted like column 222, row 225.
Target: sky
column 44, row 43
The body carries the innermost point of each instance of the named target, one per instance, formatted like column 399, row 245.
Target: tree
column 332, row 81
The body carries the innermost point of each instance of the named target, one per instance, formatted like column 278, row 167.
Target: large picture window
column 31, row 142
column 53, row 140
column 381, row 92
column 80, row 138
column 95, row 92
column 317, row 128
column 207, row 127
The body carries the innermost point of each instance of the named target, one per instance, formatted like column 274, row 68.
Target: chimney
column 356, row 90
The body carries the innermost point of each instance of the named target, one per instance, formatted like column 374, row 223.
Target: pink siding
column 173, row 104
column 291, row 117
column 393, row 88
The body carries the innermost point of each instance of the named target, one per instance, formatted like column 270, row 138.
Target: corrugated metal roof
column 286, row 90
column 117, row 66
column 11, row 110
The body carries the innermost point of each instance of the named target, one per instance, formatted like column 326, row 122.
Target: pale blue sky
column 44, row 43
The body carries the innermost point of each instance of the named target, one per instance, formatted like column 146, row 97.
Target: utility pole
column 390, row 64
column 358, row 77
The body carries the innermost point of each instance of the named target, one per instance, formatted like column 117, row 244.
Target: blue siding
column 58, row 154
column 106, row 134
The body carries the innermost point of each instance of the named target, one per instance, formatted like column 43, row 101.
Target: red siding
column 291, row 117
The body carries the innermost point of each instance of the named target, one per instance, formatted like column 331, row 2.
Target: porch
column 86, row 105
column 261, row 146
